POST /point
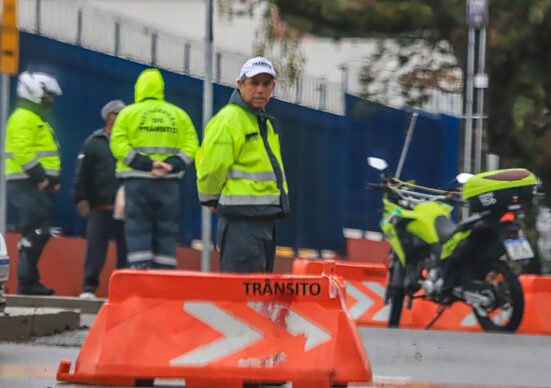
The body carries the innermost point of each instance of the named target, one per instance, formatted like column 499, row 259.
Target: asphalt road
column 459, row 357
column 408, row 358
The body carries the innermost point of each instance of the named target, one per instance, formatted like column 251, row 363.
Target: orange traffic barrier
column 365, row 290
column 365, row 287
column 221, row 330
column 537, row 302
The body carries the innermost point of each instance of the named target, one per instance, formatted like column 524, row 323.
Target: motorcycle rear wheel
column 508, row 289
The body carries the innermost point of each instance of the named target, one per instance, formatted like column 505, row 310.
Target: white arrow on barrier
column 383, row 314
column 499, row 319
column 363, row 302
column 294, row 323
column 237, row 335
column 469, row 320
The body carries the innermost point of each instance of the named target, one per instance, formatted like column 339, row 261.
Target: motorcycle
column 433, row 258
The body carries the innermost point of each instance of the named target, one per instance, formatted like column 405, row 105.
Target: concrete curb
column 28, row 315
column 19, row 323
column 86, row 306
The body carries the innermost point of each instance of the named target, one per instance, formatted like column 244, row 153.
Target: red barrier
column 537, row 300
column 221, row 331
column 364, row 250
column 68, row 253
column 365, row 287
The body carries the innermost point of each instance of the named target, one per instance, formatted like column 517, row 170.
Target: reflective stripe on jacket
column 30, row 142
column 239, row 162
column 152, row 127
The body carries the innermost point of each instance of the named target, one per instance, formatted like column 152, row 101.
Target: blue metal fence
column 324, row 154
column 380, row 131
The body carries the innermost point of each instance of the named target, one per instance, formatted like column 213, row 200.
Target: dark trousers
column 34, row 211
column 99, row 228
column 247, row 245
column 151, row 222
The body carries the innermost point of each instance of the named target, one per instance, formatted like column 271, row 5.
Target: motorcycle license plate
column 519, row 249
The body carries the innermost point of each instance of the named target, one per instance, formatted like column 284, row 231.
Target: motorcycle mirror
column 377, row 163
column 463, row 177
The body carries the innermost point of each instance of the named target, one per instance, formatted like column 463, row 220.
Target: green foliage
column 409, row 68
column 283, row 48
column 271, row 40
column 518, row 57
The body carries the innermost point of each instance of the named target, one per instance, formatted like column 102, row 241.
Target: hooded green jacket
column 152, row 129
column 31, row 149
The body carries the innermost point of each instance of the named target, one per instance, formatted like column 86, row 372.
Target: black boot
column 30, row 248
column 34, row 289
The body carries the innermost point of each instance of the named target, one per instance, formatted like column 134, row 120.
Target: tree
column 272, row 40
column 518, row 58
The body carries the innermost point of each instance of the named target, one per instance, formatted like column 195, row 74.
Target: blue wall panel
column 309, row 139
column 324, row 154
column 380, row 131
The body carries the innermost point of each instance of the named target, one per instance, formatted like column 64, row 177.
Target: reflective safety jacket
column 31, row 149
column 239, row 166
column 152, row 129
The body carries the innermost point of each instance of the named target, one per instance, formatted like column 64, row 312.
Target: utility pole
column 480, row 83
column 206, row 217
column 9, row 64
column 477, row 21
column 467, row 150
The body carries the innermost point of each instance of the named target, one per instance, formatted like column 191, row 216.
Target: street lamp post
column 206, row 218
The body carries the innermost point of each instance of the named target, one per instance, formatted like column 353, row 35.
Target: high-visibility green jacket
column 239, row 166
column 152, row 129
column 31, row 149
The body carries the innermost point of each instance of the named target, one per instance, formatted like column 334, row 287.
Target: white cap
column 114, row 106
column 257, row 65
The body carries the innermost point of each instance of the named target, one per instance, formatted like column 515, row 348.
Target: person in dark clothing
column 94, row 192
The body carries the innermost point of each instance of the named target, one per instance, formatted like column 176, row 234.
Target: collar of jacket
column 33, row 107
column 100, row 133
column 236, row 99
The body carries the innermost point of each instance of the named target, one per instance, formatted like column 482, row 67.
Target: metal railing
column 71, row 21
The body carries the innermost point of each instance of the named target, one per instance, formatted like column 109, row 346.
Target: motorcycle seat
column 444, row 228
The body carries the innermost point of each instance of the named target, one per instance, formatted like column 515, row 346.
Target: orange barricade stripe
column 221, row 330
column 365, row 285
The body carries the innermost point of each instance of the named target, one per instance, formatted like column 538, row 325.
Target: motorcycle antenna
column 406, row 144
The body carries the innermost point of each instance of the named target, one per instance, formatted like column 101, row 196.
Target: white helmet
column 33, row 86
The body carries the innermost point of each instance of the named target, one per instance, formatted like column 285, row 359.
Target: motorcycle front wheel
column 508, row 309
column 396, row 305
column 395, row 291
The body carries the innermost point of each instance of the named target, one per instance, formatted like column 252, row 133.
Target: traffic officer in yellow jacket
column 32, row 173
column 153, row 142
column 240, row 173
